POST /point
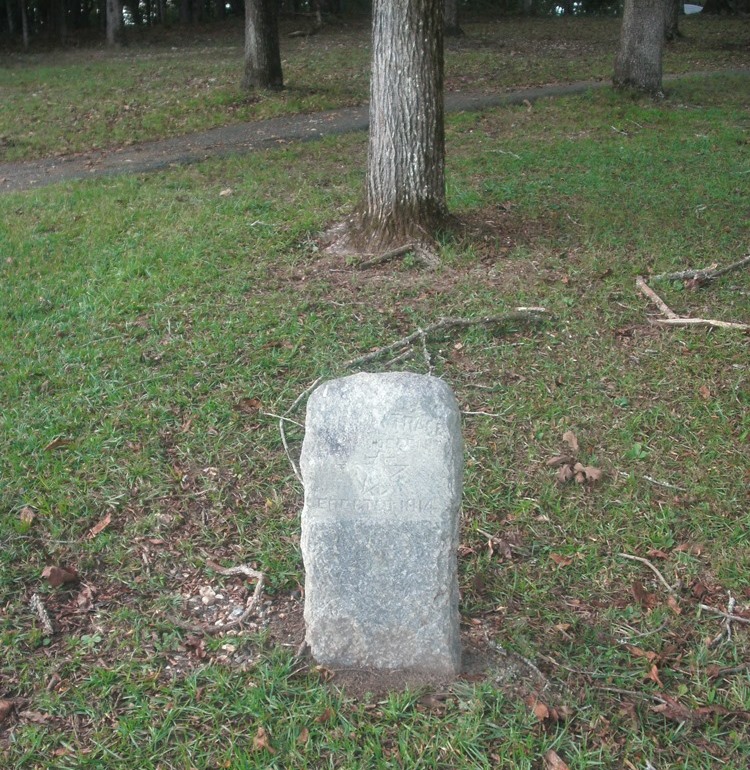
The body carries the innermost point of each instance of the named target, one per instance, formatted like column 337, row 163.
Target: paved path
column 245, row 137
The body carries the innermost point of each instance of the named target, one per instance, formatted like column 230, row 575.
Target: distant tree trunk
column 11, row 18
column 451, row 26
column 405, row 198
column 186, row 11
column 262, row 51
column 672, row 19
column 24, row 25
column 639, row 61
column 115, row 23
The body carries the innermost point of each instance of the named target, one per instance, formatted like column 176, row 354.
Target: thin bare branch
column 521, row 314
column 643, row 287
column 703, row 274
column 651, row 567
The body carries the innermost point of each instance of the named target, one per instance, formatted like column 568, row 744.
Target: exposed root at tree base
column 351, row 240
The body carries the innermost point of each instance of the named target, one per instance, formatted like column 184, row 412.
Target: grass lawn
column 169, row 82
column 150, row 328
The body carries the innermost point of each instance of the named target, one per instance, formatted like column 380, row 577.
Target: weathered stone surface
column 382, row 464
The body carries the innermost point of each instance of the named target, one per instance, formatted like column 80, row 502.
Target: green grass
column 156, row 324
column 168, row 84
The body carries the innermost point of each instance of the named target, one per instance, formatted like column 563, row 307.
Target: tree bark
column 115, row 23
column 639, row 61
column 672, row 19
column 405, row 198
column 451, row 25
column 11, row 18
column 262, row 49
column 24, row 25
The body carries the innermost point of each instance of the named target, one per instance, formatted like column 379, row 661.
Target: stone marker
column 382, row 465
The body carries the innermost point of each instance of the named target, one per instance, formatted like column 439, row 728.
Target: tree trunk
column 451, row 26
column 639, row 61
column 405, row 198
column 115, row 23
column 11, row 18
column 262, row 51
column 24, row 25
column 672, row 19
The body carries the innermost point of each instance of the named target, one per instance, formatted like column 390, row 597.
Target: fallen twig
column 387, row 256
column 734, row 618
column 630, row 693
column 644, row 288
column 523, row 314
column 702, row 322
column 285, row 418
column 727, row 630
column 672, row 319
column 656, row 482
column 651, row 567
column 37, row 605
column 703, row 275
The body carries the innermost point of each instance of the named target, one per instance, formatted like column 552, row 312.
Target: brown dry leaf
column 639, row 653
column 570, row 439
column 672, row 709
column 541, row 710
column 674, row 605
column 561, row 561
column 692, row 548
column 325, row 716
column 57, row 443
column 6, row 709
column 303, row 737
column 642, row 596
column 564, row 474
column 85, row 599
column 653, row 675
column 27, row 515
column 261, row 742
column 705, row 392
column 34, row 716
column 655, row 553
column 99, row 527
column 498, row 546
column 57, row 576
column 552, row 761
column 558, row 460
column 592, row 474
column 248, row 405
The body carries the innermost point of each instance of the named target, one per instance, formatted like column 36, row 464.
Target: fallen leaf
column 705, row 392
column 691, row 548
column 564, row 474
column 558, row 460
column 325, row 716
column 655, row 553
column 226, row 192
column 248, row 405
column 639, row 653
column 34, row 716
column 552, row 761
column 57, row 576
column 99, row 527
column 673, row 710
column 653, row 675
column 592, row 474
column 85, row 599
column 674, row 605
column 500, row 547
column 6, row 709
column 570, row 439
column 27, row 515
column 304, row 736
column 540, row 709
column 642, row 596
column 57, row 443
column 261, row 742
column 561, row 561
